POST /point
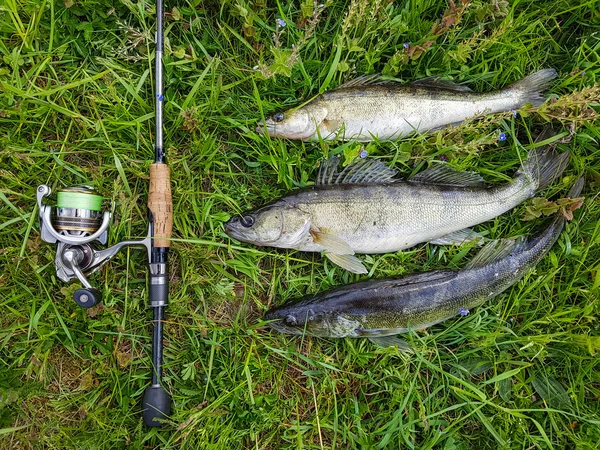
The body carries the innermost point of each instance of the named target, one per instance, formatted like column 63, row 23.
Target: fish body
column 379, row 308
column 368, row 107
column 363, row 209
column 395, row 216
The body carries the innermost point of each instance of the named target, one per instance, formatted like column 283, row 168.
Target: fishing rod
column 157, row 403
column 79, row 227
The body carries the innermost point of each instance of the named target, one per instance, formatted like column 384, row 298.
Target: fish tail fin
column 543, row 166
column 531, row 88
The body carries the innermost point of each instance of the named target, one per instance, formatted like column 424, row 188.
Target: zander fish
column 363, row 209
column 368, row 108
column 381, row 309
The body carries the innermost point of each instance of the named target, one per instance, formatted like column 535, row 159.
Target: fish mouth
column 261, row 127
column 232, row 232
column 277, row 325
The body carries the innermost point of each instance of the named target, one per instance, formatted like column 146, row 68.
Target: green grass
column 76, row 105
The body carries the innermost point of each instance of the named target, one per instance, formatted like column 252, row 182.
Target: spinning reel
column 78, row 225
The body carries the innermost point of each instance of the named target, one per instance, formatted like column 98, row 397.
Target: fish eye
column 290, row 320
column 247, row 221
column 278, row 117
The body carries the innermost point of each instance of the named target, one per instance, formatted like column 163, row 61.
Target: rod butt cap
column 156, row 406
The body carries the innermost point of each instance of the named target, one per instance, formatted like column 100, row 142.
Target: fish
column 369, row 108
column 381, row 309
column 363, row 209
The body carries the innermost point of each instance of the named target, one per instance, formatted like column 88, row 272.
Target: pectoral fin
column 349, row 262
column 338, row 251
column 331, row 242
column 392, row 341
column 458, row 237
column 328, row 127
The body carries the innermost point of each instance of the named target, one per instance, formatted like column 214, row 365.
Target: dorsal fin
column 576, row 188
column 368, row 80
column 437, row 83
column 410, row 280
column 362, row 171
column 444, row 174
column 492, row 252
column 377, row 79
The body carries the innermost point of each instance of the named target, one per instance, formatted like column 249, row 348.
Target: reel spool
column 75, row 223
column 77, row 218
column 78, row 210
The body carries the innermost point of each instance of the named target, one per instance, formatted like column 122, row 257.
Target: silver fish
column 381, row 309
column 367, row 107
column 363, row 209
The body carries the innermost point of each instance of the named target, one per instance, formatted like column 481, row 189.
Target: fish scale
column 407, row 110
column 393, row 209
column 424, row 306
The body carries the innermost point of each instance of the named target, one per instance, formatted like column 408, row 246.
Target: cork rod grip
column 160, row 204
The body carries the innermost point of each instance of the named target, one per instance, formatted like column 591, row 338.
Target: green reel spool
column 79, row 198
column 78, row 209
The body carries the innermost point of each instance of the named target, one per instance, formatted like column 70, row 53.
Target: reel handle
column 160, row 204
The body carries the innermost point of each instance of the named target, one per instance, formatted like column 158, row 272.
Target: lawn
column 76, row 106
